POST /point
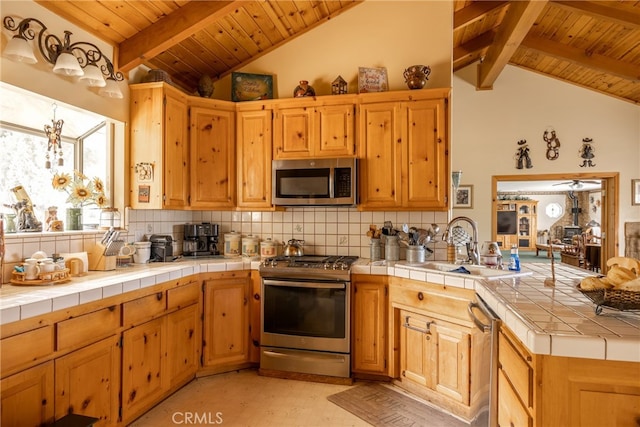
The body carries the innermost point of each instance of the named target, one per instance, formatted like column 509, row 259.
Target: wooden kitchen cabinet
column 369, row 332
column 27, row 398
column 436, row 354
column 160, row 348
column 255, row 151
column 435, row 350
column 159, row 164
column 404, row 151
column 523, row 217
column 87, row 382
column 212, row 148
column 314, row 127
column 226, row 322
column 143, row 370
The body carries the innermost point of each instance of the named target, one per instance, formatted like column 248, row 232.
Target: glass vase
column 74, row 219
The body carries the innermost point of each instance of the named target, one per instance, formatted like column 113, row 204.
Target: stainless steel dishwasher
column 488, row 414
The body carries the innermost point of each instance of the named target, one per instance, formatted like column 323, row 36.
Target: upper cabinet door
column 159, row 147
column 294, row 132
column 381, row 156
column 314, row 127
column 254, row 159
column 212, row 158
column 176, row 154
column 426, row 154
column 336, row 136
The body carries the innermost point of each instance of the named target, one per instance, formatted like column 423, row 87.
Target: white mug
column 31, row 269
column 47, row 265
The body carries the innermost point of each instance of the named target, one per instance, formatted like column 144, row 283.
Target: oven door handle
column 315, row 285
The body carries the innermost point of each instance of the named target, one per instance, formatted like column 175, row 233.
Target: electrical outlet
column 149, row 228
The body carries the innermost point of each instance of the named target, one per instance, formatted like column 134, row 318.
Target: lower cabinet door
column 87, row 382
column 452, row 349
column 143, row 350
column 415, row 348
column 27, row 397
column 511, row 412
column 183, row 345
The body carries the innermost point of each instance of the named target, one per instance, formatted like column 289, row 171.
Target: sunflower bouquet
column 82, row 191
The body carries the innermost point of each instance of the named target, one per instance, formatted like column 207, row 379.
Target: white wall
column 488, row 124
column 391, row 34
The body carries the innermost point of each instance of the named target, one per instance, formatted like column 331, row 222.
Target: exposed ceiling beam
column 475, row 11
column 610, row 12
column 517, row 22
column 583, row 58
column 472, row 48
column 171, row 30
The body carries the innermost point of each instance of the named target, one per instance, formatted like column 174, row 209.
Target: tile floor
column 243, row 398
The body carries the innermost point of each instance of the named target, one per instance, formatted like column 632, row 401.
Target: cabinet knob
column 420, row 296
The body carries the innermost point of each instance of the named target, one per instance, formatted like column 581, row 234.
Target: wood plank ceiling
column 592, row 44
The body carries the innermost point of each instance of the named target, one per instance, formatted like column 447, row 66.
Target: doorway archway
column 610, row 208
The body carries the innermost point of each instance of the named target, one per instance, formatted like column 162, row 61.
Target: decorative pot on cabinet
column 416, row 76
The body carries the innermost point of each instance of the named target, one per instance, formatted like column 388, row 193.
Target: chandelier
column 53, row 132
column 79, row 59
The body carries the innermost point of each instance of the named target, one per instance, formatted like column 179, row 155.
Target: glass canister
column 391, row 248
column 110, row 217
column 250, row 245
column 232, row 243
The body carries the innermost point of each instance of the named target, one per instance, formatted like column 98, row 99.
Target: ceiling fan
column 577, row 183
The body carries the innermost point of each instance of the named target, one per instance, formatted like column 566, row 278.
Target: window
column 23, row 164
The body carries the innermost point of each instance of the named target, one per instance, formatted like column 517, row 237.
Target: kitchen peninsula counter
column 557, row 321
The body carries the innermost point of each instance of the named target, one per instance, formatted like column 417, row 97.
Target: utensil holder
column 98, row 261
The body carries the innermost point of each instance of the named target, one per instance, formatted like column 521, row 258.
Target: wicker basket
column 613, row 298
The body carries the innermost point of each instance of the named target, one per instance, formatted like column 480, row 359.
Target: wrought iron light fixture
column 53, row 132
column 78, row 59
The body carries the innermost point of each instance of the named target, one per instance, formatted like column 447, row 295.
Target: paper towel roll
column 82, row 256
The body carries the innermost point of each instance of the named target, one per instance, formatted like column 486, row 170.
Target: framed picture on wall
column 635, row 191
column 251, row 87
column 463, row 197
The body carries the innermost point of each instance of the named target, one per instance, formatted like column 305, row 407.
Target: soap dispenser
column 514, row 261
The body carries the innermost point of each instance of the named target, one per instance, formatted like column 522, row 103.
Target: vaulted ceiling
column 592, row 44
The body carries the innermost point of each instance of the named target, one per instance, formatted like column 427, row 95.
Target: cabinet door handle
column 426, row 331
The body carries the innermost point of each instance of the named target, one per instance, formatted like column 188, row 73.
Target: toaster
column 161, row 248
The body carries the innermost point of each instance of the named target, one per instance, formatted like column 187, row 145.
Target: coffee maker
column 200, row 239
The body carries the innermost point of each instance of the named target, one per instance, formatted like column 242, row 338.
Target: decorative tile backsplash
column 330, row 230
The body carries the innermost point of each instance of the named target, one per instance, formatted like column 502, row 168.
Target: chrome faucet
column 474, row 253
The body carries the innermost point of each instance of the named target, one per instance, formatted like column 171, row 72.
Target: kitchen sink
column 474, row 270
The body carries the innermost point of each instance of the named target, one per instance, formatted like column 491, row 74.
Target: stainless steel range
column 305, row 314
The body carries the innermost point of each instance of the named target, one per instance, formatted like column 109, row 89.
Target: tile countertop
column 558, row 321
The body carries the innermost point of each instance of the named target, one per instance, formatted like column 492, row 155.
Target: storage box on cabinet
column 22, row 350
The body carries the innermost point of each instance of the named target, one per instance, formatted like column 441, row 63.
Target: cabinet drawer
column 510, row 409
column 183, row 296
column 23, row 349
column 143, row 309
column 516, row 369
column 88, row 328
column 451, row 306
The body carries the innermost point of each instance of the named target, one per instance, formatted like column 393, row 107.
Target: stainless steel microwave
column 314, row 182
